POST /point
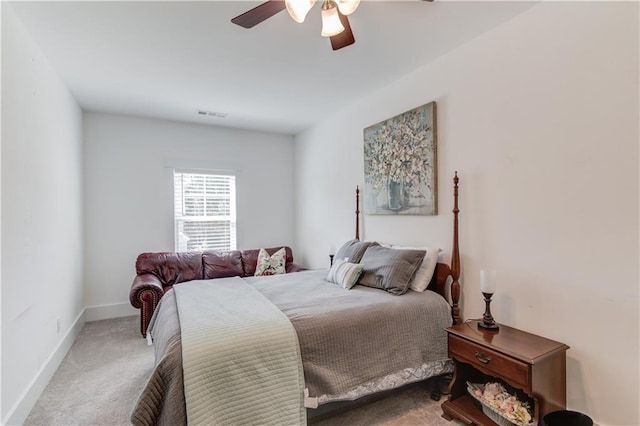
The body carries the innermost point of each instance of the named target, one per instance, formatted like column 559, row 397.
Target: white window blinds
column 205, row 211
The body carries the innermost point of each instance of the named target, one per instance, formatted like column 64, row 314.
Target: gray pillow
column 352, row 250
column 389, row 269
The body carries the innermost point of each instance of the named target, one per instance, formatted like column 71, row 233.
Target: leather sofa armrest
column 146, row 291
column 292, row 267
column 140, row 284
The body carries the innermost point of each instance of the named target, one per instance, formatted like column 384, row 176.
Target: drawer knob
column 483, row 358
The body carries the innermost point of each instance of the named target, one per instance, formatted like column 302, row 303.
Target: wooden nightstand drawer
column 494, row 362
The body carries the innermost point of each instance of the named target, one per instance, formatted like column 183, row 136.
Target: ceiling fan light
column 347, row 7
column 331, row 24
column 298, row 9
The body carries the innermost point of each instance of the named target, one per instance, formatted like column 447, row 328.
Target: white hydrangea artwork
column 400, row 164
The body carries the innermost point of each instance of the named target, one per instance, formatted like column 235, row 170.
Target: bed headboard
column 443, row 271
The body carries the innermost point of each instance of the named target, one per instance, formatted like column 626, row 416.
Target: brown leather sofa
column 157, row 273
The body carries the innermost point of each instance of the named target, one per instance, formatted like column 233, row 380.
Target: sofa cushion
column 170, row 267
column 250, row 259
column 221, row 264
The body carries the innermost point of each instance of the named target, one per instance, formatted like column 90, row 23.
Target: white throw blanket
column 241, row 358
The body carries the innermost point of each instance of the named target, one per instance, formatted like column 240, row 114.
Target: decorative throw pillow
column 345, row 274
column 352, row 250
column 390, row 269
column 423, row 275
column 271, row 264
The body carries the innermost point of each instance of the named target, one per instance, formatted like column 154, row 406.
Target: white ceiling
column 169, row 59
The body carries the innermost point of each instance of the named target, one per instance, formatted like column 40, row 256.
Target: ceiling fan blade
column 345, row 38
column 259, row 13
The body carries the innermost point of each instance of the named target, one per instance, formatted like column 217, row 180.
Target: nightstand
column 535, row 367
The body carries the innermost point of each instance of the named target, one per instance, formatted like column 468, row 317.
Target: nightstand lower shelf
column 466, row 409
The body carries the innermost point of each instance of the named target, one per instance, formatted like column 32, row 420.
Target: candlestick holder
column 488, row 322
column 331, row 259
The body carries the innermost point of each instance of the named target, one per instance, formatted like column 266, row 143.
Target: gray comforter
column 347, row 338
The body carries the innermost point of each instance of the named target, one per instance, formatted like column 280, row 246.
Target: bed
column 332, row 345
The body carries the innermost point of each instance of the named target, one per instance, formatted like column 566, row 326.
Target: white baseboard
column 116, row 310
column 18, row 414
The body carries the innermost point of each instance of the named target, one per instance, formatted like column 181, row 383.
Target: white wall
column 129, row 192
column 42, row 253
column 540, row 117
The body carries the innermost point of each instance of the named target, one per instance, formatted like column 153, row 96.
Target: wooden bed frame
column 443, row 271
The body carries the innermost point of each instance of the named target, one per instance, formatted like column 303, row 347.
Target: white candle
column 488, row 281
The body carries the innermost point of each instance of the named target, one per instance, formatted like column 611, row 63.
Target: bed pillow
column 353, row 250
column 423, row 275
column 345, row 274
column 271, row 264
column 390, row 269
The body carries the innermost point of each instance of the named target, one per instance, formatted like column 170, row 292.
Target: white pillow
column 423, row 275
column 345, row 274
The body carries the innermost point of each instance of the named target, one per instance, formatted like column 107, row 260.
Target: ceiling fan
column 335, row 23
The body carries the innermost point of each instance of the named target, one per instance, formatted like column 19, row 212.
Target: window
column 205, row 211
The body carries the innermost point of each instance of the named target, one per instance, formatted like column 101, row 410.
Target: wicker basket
column 495, row 416
column 489, row 411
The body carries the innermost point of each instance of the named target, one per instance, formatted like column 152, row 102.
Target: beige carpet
column 101, row 377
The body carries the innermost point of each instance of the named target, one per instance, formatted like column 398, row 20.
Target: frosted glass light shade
column 331, row 24
column 347, row 7
column 488, row 281
column 298, row 9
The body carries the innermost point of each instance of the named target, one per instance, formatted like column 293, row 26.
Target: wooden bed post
column 455, row 257
column 442, row 271
column 357, row 213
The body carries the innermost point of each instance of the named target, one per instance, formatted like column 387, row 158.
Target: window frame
column 179, row 244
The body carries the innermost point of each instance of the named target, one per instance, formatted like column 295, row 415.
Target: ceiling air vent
column 215, row 114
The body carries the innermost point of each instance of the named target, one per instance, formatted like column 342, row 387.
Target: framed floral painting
column 400, row 164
